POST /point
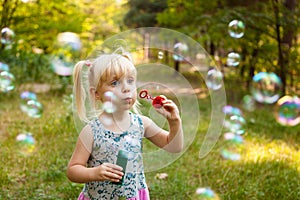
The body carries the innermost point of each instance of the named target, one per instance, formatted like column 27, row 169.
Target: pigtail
column 78, row 91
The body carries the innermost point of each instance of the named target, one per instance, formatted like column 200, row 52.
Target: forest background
column 270, row 44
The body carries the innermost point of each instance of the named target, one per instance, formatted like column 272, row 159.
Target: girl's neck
column 119, row 121
column 120, row 115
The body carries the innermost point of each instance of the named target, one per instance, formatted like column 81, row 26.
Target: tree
column 208, row 23
column 142, row 13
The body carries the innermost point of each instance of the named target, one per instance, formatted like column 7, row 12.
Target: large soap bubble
column 156, row 73
column 266, row 87
column 288, row 111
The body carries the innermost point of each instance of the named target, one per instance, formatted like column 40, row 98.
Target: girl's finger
column 113, row 166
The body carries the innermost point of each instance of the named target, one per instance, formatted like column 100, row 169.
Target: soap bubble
column 69, row 40
column 109, row 107
column 160, row 55
column 61, row 67
column 175, row 86
column 248, row 103
column 7, row 81
column 7, row 36
column 229, row 154
column 230, row 110
column 109, row 102
column 25, row 97
column 234, row 138
column 205, row 193
column 236, row 28
column 180, row 50
column 234, row 121
column 4, row 67
column 266, row 87
column 233, row 59
column 235, row 124
column 34, row 109
column 288, row 111
column 26, row 143
column 214, row 79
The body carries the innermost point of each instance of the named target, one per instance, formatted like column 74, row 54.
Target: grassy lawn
column 269, row 168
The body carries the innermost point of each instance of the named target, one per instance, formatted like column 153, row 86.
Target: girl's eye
column 130, row 81
column 115, row 83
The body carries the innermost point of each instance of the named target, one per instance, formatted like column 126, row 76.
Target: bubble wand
column 157, row 102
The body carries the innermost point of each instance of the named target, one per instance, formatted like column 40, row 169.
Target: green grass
column 269, row 168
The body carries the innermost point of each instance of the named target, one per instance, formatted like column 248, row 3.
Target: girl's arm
column 171, row 141
column 77, row 170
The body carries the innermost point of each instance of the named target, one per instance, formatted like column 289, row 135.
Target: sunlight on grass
column 275, row 151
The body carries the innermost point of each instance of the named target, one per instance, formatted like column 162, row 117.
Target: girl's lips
column 128, row 99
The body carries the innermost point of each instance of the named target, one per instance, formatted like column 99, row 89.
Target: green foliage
column 259, row 47
column 143, row 13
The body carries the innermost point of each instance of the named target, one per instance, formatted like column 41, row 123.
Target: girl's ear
column 94, row 93
column 97, row 95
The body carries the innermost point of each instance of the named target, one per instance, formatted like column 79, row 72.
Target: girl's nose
column 126, row 87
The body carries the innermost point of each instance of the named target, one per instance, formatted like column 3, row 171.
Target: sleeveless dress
column 105, row 149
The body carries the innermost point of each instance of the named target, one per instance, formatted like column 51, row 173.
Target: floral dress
column 105, row 150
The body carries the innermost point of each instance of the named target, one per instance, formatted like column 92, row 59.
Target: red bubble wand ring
column 156, row 101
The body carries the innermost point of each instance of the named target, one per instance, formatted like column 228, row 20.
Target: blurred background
column 254, row 46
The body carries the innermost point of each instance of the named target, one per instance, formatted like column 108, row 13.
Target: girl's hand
column 169, row 109
column 108, row 172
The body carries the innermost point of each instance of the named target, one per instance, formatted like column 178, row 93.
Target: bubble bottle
column 122, row 159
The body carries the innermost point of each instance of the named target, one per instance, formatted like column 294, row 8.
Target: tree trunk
column 284, row 43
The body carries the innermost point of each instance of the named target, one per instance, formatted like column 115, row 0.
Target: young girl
column 95, row 156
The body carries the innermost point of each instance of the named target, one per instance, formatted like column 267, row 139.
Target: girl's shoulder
column 86, row 137
column 146, row 121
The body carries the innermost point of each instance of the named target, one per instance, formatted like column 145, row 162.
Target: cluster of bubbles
column 266, row 87
column 235, row 126
column 29, row 103
column 7, row 79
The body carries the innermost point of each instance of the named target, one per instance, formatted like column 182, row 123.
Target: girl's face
column 124, row 89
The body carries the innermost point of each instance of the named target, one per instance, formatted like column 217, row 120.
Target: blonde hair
column 90, row 75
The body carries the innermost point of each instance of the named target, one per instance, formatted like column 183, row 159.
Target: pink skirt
column 143, row 195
